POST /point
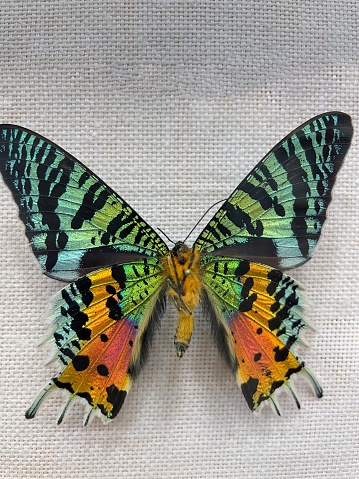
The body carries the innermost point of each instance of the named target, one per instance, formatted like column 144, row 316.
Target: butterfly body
column 182, row 274
column 121, row 272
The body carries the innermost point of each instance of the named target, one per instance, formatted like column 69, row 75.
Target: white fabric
column 172, row 103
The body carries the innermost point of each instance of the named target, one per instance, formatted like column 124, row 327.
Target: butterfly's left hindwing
column 103, row 325
column 75, row 222
column 257, row 315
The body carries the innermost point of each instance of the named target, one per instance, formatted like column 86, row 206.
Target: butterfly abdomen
column 182, row 274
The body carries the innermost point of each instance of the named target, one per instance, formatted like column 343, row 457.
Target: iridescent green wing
column 257, row 316
column 75, row 222
column 275, row 216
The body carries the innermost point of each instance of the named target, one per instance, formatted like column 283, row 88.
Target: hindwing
column 103, row 324
column 257, row 315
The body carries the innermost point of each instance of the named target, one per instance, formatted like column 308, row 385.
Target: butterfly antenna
column 201, row 218
column 164, row 234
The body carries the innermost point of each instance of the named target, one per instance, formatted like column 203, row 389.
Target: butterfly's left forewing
column 74, row 222
column 257, row 315
column 104, row 323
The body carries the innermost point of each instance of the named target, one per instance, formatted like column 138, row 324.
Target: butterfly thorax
column 182, row 274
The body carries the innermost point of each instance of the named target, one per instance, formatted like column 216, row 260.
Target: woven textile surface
column 172, row 103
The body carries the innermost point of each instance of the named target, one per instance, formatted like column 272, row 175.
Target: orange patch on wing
column 264, row 363
column 99, row 371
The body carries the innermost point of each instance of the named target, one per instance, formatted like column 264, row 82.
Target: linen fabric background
column 172, row 103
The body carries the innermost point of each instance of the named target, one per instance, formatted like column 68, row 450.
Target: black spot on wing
column 62, row 240
column 120, row 221
column 79, row 318
column 84, row 334
column 294, row 370
column 63, row 385
column 274, row 323
column 279, row 209
column 274, row 307
column 274, row 276
column 83, row 286
column 116, row 398
column 241, row 220
column 105, row 239
column 292, row 299
column 102, row 370
column 80, row 363
column 91, row 203
column 247, row 304
column 110, row 289
column 242, row 268
column 67, row 352
column 249, row 388
column 247, row 286
column 281, row 354
column 223, row 230
column 119, row 275
column 115, row 312
column 83, row 178
column 268, row 176
column 258, row 194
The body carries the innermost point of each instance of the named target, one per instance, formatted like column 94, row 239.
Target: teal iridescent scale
column 276, row 214
column 74, row 221
column 121, row 271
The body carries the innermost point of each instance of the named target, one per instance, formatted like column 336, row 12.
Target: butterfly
column 121, row 272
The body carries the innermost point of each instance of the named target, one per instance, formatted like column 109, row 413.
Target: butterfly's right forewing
column 275, row 215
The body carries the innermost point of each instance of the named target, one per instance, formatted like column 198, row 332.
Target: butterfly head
column 179, row 250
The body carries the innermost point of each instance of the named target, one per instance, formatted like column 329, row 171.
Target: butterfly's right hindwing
column 74, row 221
column 257, row 316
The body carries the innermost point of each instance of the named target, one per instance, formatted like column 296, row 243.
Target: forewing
column 275, row 216
column 75, row 222
column 104, row 323
column 257, row 315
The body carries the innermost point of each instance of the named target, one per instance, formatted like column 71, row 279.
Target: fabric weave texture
column 172, row 103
